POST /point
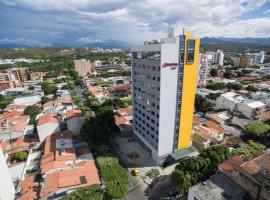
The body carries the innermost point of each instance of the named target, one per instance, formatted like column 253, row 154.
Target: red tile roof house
column 74, row 121
column 47, row 125
column 63, row 168
column 123, row 119
column 13, row 125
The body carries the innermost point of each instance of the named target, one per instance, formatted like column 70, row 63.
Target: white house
column 47, row 124
column 74, row 121
column 262, row 96
column 250, row 108
column 28, row 100
column 228, row 101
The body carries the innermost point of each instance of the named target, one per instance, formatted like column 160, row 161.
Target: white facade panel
column 168, row 96
column 7, row 190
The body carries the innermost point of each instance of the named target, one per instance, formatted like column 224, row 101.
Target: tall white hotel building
column 164, row 78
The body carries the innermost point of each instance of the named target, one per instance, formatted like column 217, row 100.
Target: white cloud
column 88, row 40
column 139, row 20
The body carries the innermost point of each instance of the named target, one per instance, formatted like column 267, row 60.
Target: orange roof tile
column 67, row 101
column 125, row 111
column 121, row 87
column 20, row 144
column 203, row 132
column 73, row 113
column 70, row 178
column 29, row 189
column 47, row 118
column 215, row 126
column 228, row 165
column 120, row 120
column 198, row 120
column 19, row 127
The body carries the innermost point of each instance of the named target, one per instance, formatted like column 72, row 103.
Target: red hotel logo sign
column 170, row 65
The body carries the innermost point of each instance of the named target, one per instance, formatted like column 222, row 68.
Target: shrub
column 92, row 192
column 20, row 156
column 152, row 173
column 115, row 176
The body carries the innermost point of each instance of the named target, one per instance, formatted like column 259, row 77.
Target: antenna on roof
column 183, row 30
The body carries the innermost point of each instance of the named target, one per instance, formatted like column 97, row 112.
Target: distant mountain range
column 120, row 44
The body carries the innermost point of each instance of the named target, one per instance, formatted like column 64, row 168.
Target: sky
column 83, row 22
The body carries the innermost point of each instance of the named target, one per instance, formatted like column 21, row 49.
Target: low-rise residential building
column 218, row 187
column 66, row 166
column 7, row 85
column 120, row 90
column 27, row 100
column 253, row 175
column 206, row 132
column 63, row 94
column 99, row 93
column 74, row 121
column 250, row 108
column 123, row 119
column 15, row 91
column 261, row 96
column 13, row 125
column 47, row 125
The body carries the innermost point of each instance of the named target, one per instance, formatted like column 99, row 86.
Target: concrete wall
column 75, row 124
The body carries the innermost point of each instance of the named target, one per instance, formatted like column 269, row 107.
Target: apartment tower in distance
column 164, row 77
column 82, row 66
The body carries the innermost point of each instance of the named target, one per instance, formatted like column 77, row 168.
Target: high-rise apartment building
column 164, row 78
column 219, row 57
column 21, row 74
column 256, row 58
column 241, row 61
column 204, row 66
column 82, row 66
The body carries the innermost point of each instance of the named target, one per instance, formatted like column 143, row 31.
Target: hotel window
column 190, row 51
column 158, row 68
column 153, row 68
column 158, row 78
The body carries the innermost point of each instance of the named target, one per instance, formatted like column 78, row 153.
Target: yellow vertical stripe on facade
column 188, row 95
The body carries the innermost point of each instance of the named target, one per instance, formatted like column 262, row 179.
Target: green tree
column 4, row 101
column 213, row 72
column 258, row 130
column 227, row 74
column 32, row 111
column 213, row 96
column 215, row 86
column 234, row 86
column 44, row 99
column 77, row 99
column 48, row 88
column 251, row 88
column 201, row 104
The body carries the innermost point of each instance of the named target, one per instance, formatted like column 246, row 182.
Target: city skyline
column 45, row 23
